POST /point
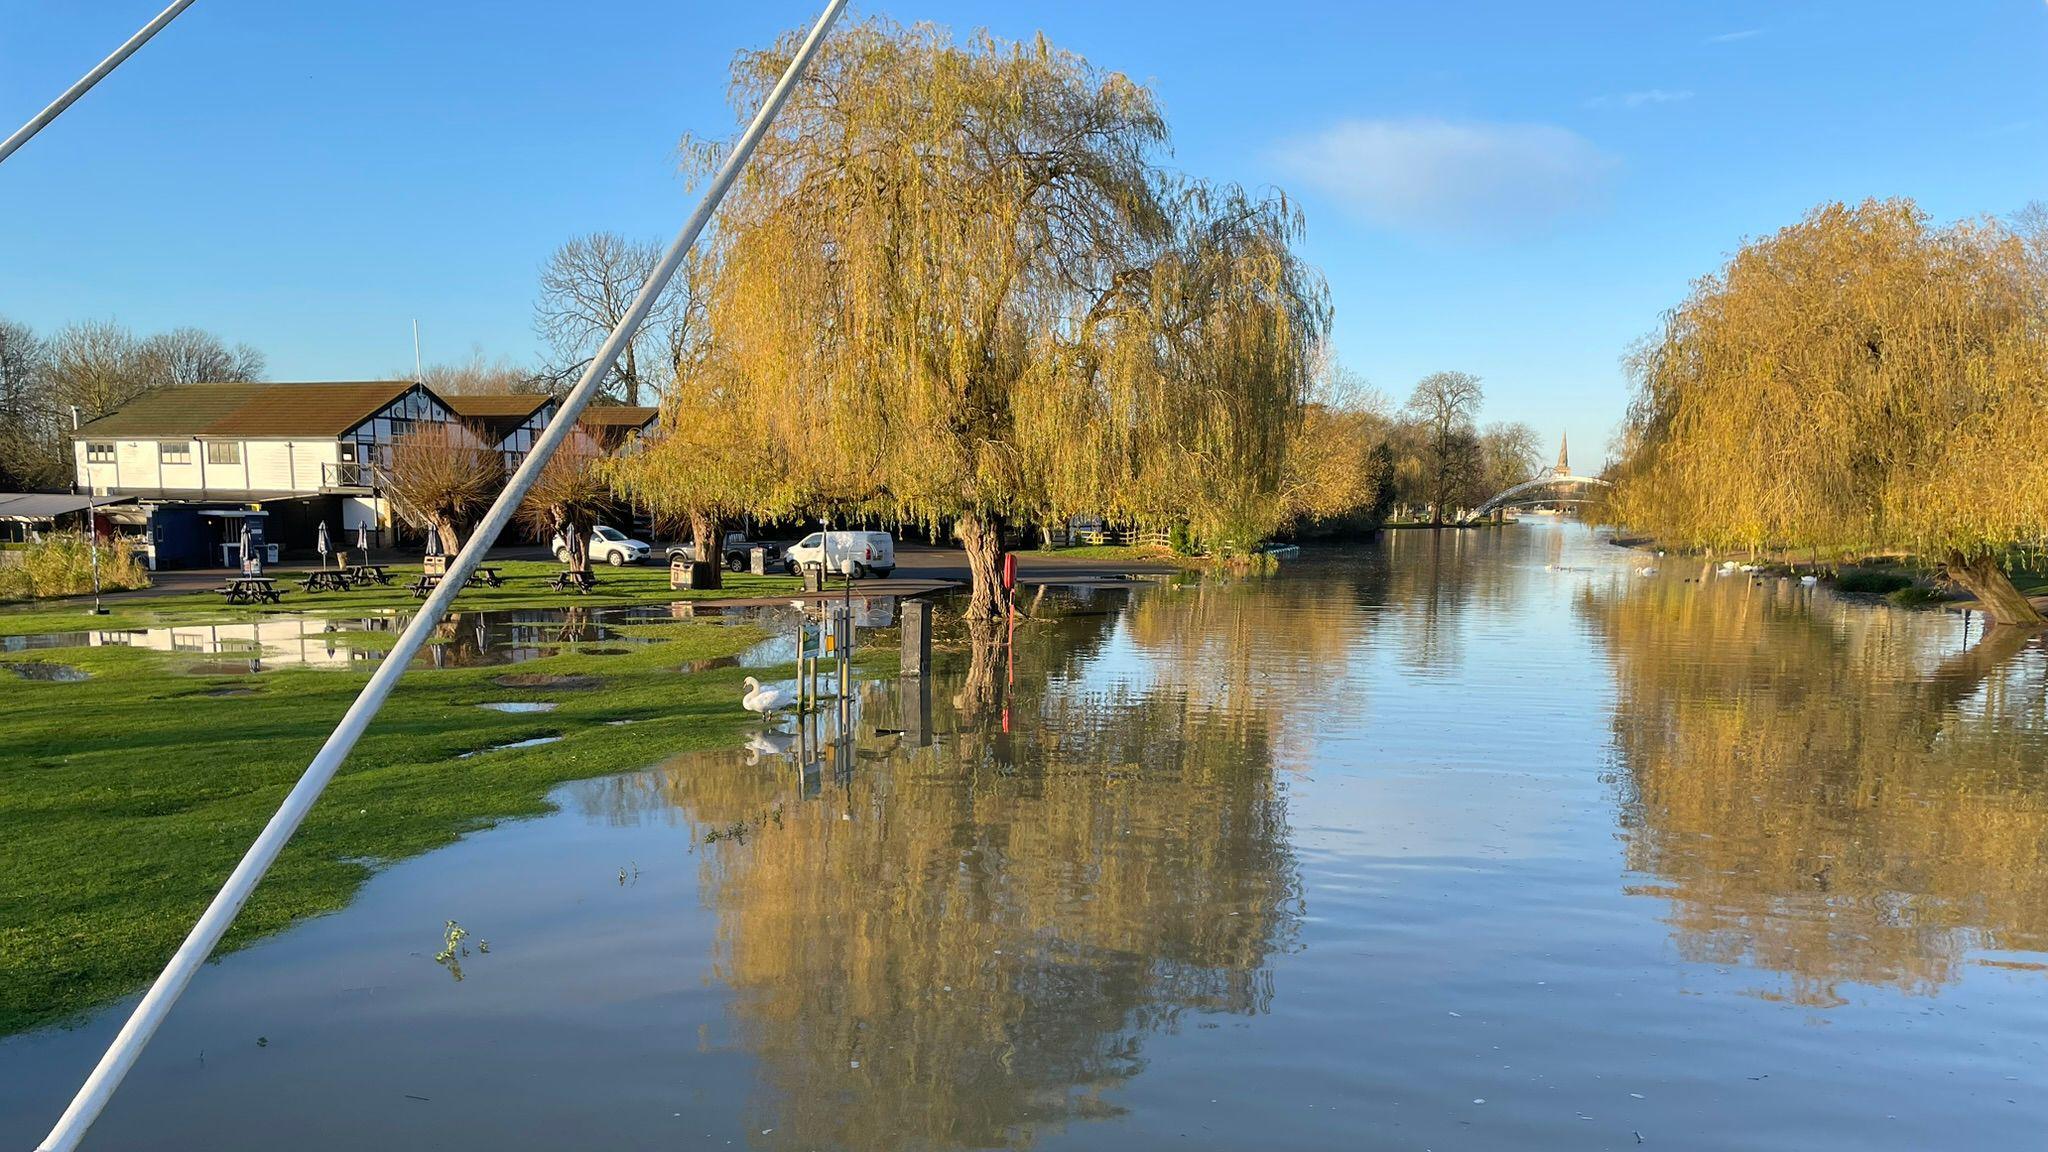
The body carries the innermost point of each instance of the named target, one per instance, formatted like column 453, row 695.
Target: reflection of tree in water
column 1850, row 795
column 1431, row 579
column 975, row 938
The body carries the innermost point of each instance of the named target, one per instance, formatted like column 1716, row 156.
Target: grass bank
column 126, row 798
column 525, row 587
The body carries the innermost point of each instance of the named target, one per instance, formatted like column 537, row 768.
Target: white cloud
column 1732, row 37
column 1439, row 176
column 1639, row 99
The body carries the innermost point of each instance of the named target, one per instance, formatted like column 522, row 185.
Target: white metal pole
column 85, row 83
column 199, row 944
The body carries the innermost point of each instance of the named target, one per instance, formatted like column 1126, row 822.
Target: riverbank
column 131, row 793
column 1902, row 580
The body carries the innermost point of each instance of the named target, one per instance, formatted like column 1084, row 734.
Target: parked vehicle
column 736, row 553
column 607, row 544
column 855, row 554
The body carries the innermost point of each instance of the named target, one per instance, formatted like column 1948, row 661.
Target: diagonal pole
column 85, row 82
column 205, row 935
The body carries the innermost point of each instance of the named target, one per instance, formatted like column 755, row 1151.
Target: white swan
column 1809, row 581
column 763, row 700
column 767, row 744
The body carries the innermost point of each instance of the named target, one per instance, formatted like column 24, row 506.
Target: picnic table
column 364, row 573
column 580, row 581
column 326, row 580
column 484, row 576
column 250, row 590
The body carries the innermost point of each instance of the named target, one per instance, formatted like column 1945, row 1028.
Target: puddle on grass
column 48, row 673
column 520, row 706
column 463, row 640
column 535, row 742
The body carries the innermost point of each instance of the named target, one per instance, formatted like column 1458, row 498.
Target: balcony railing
column 348, row 474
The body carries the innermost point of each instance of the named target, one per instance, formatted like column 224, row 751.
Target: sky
column 1509, row 189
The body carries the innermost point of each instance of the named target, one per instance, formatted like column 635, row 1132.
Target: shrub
column 62, row 566
column 1873, row 581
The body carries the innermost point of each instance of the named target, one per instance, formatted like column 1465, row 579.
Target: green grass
column 525, row 587
column 127, row 798
column 1130, row 553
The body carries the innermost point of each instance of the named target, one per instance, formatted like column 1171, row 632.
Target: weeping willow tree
column 1860, row 381
column 963, row 294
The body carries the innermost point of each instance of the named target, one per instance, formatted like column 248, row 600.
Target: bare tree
column 1445, row 404
column 567, row 498
column 1509, row 454
column 26, row 459
column 442, row 477
column 585, row 288
column 480, row 375
column 195, row 356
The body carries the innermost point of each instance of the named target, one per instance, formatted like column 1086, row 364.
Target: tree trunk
column 981, row 690
column 451, row 540
column 1985, row 579
column 631, row 376
column 706, row 549
column 982, row 539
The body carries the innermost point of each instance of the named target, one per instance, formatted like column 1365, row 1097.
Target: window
column 180, row 453
column 223, row 452
column 608, row 534
column 811, row 541
column 99, row 452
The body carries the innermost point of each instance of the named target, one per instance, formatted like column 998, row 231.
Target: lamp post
column 92, row 545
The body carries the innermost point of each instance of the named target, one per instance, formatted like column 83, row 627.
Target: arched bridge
column 1551, row 487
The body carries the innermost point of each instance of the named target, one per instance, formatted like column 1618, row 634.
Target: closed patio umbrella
column 321, row 545
column 363, row 541
column 242, row 546
column 434, row 542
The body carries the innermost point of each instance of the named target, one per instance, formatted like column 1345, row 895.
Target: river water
column 1480, row 840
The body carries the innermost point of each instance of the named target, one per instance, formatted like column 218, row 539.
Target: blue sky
column 1516, row 190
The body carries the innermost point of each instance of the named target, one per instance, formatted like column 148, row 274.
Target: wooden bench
column 364, row 573
column 424, row 583
column 486, row 575
column 250, row 590
column 580, row 581
column 326, row 580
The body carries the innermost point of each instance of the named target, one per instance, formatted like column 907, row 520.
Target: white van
column 855, row 554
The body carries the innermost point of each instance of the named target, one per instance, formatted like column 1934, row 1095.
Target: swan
column 766, row 744
column 1809, row 581
column 1646, row 570
column 763, row 700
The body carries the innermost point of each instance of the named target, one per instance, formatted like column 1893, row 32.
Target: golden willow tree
column 1860, row 381
column 961, row 292
column 568, row 496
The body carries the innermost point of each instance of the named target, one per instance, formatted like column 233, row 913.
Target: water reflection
column 1844, row 795
column 959, row 938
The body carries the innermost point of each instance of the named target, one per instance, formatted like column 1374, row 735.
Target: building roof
column 247, row 411
column 173, row 412
column 618, row 416
column 498, row 414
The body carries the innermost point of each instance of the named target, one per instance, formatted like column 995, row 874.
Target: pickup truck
column 736, row 553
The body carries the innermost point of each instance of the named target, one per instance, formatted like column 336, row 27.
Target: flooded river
column 1480, row 840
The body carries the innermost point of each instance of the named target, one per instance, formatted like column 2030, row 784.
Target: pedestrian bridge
column 1549, row 488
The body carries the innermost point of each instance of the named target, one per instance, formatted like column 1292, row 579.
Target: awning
column 45, row 507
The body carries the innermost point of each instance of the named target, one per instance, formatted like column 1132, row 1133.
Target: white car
column 607, row 544
column 855, row 554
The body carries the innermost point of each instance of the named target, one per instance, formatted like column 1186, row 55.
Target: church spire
column 1564, row 458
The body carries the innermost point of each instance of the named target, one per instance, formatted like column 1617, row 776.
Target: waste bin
column 684, row 572
column 757, row 560
column 814, row 577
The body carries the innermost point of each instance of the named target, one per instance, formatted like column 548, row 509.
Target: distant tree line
column 91, row 368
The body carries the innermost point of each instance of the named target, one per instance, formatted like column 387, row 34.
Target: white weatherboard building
column 202, row 458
